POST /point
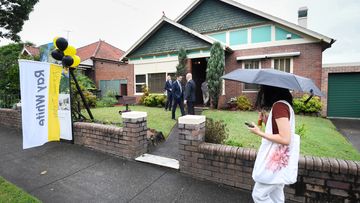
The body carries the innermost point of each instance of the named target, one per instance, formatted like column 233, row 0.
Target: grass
column 11, row 193
column 321, row 137
column 157, row 118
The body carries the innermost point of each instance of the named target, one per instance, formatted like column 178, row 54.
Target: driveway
column 350, row 129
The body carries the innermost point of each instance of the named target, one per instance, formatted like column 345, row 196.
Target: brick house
column 251, row 39
column 100, row 62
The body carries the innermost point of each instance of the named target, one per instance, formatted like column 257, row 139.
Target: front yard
column 321, row 137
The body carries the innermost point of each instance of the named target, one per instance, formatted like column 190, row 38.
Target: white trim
column 264, row 56
column 273, row 44
column 273, row 33
column 265, row 15
column 331, row 65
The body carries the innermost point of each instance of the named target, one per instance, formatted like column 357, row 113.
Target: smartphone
column 249, row 125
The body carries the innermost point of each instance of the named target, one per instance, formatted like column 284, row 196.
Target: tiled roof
column 99, row 50
column 34, row 51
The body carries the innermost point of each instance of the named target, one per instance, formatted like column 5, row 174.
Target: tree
column 181, row 67
column 214, row 71
column 13, row 13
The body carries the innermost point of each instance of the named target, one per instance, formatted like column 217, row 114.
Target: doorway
column 198, row 67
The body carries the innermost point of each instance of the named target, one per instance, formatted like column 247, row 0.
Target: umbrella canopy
column 274, row 78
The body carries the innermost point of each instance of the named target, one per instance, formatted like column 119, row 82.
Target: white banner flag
column 39, row 83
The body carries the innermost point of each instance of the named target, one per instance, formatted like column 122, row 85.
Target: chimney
column 302, row 16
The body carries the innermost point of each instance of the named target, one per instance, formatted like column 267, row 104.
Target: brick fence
column 10, row 118
column 128, row 141
column 320, row 179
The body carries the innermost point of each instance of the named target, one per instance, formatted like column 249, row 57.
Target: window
column 281, row 34
column 238, row 37
column 110, row 86
column 140, row 80
column 221, row 37
column 261, row 34
column 156, row 82
column 251, row 64
column 283, row 64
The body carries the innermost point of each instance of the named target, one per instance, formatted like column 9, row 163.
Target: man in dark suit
column 190, row 97
column 178, row 97
column 168, row 89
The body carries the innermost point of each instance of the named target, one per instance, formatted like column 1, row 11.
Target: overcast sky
column 122, row 22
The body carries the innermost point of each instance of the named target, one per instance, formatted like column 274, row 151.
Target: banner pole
column 81, row 94
column 71, row 116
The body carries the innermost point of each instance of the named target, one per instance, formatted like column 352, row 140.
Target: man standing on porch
column 178, row 96
column 190, row 97
column 168, row 89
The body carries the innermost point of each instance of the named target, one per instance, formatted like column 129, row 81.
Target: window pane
column 253, row 64
column 139, row 88
column 221, row 37
column 261, row 34
column 156, row 82
column 287, row 65
column 282, row 64
column 251, row 87
column 238, row 37
column 140, row 79
column 276, row 64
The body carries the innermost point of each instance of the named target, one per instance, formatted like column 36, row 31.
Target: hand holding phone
column 249, row 125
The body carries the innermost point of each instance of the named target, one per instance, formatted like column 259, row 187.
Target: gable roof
column 31, row 50
column 99, row 50
column 158, row 25
column 280, row 21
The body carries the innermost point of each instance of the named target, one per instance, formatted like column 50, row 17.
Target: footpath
column 61, row 172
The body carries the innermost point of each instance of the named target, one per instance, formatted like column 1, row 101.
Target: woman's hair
column 268, row 95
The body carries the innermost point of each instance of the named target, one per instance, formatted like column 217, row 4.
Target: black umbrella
column 274, row 78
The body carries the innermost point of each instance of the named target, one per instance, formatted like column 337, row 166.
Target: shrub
column 146, row 93
column 313, row 106
column 108, row 100
column 243, row 103
column 155, row 100
column 216, row 131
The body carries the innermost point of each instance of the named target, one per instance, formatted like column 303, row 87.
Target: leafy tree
column 181, row 67
column 214, row 71
column 9, row 69
column 13, row 13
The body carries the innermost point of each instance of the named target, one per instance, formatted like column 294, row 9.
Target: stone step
column 159, row 160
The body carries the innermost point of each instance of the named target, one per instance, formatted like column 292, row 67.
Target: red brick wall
column 10, row 118
column 106, row 70
column 319, row 179
column 345, row 68
column 308, row 64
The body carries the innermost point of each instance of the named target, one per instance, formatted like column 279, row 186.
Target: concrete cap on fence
column 134, row 115
column 192, row 120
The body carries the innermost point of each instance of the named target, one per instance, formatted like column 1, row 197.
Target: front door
column 199, row 66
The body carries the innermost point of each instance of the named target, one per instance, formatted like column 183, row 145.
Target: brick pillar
column 191, row 135
column 134, row 131
column 189, row 66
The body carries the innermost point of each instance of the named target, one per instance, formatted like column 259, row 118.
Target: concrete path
column 170, row 147
column 77, row 174
column 350, row 129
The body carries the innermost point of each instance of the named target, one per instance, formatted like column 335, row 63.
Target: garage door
column 344, row 95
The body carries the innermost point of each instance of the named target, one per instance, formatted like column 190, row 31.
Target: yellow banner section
column 54, row 85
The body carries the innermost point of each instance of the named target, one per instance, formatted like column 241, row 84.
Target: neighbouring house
column 251, row 38
column 30, row 51
column 341, row 86
column 100, row 62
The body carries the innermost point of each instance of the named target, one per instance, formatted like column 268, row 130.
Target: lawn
column 157, row 118
column 321, row 137
column 10, row 193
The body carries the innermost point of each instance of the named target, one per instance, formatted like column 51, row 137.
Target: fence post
column 191, row 135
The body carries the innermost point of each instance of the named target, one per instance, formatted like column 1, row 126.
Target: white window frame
column 141, row 83
column 291, row 63
column 243, row 67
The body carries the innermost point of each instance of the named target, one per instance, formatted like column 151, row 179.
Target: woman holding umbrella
column 277, row 159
